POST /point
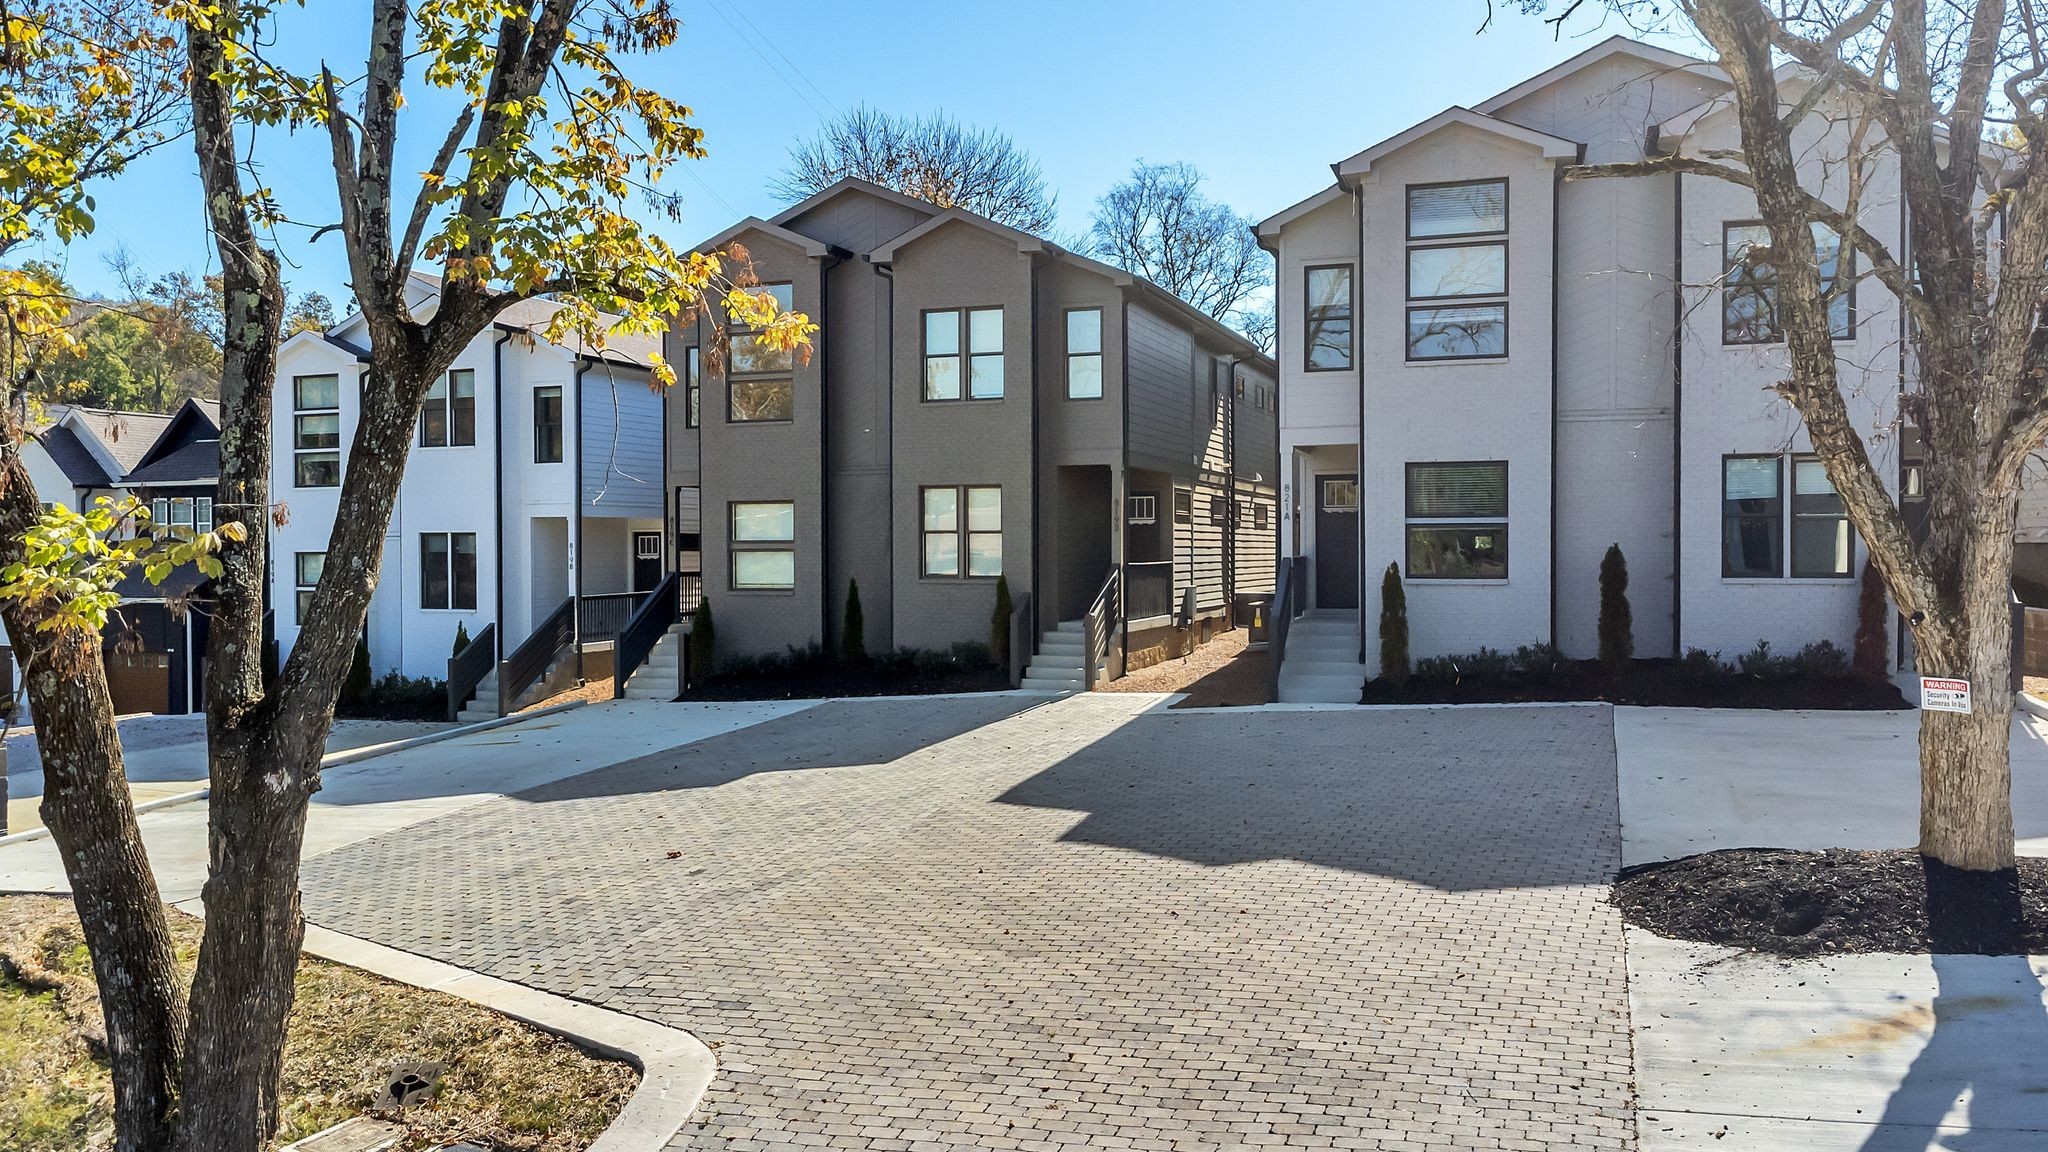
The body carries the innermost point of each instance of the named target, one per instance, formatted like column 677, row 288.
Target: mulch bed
column 847, row 682
column 1787, row 903
column 1649, row 683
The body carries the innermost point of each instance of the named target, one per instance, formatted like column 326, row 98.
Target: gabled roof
column 118, row 439
column 1270, row 227
column 627, row 350
column 195, row 462
column 808, row 246
column 195, row 422
column 1025, row 241
column 853, row 184
column 1607, row 49
column 1552, row 147
column 72, row 458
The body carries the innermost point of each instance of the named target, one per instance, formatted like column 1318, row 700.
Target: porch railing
column 689, row 592
column 1099, row 625
column 642, row 631
column 1278, row 617
column 467, row 668
column 1300, row 580
column 1150, row 590
column 605, row 614
column 531, row 660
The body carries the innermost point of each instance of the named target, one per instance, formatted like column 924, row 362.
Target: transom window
column 316, row 431
column 760, row 379
column 962, row 522
column 1084, row 354
column 448, row 418
column 193, row 512
column 1473, row 273
column 1457, row 520
column 973, row 337
column 1757, row 533
column 447, row 570
column 1340, row 494
column 1749, row 284
column 1328, row 337
column 763, row 545
column 307, row 576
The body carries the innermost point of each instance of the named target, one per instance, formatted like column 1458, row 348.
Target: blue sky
column 1261, row 97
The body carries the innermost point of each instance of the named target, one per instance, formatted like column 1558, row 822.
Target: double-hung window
column 963, row 531
column 965, row 342
column 448, row 419
column 760, row 379
column 307, row 576
column 448, row 570
column 190, row 512
column 693, row 387
column 1457, row 520
column 1084, row 354
column 547, row 424
column 1749, row 284
column 1458, row 271
column 763, row 545
column 1765, row 520
column 316, row 431
column 1327, row 339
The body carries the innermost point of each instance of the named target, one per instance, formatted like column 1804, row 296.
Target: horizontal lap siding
column 622, row 443
column 1162, row 359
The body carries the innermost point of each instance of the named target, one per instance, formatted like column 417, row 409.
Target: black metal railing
column 1149, row 590
column 1278, row 617
column 689, row 592
column 642, row 631
column 1099, row 625
column 1300, row 589
column 1022, row 636
column 605, row 614
column 467, row 668
column 526, row 664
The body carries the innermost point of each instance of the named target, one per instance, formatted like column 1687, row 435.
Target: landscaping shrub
column 394, row 696
column 357, row 686
column 1486, row 666
column 702, row 645
column 1617, row 620
column 1820, row 660
column 1393, row 627
column 1539, row 659
column 1701, row 666
column 1758, row 661
column 853, row 629
column 1871, row 658
column 999, row 623
column 461, row 638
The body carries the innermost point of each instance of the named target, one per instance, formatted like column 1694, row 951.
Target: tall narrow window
column 1327, row 339
column 1084, row 354
column 763, row 545
column 760, row 379
column 962, row 522
column 316, row 431
column 308, row 568
column 1457, row 521
column 547, row 424
column 1752, row 516
column 1457, row 279
column 693, row 388
column 448, row 418
column 1820, row 525
column 448, row 570
column 965, row 343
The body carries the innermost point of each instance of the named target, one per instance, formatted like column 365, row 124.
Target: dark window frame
column 962, row 531
column 1408, row 210
column 693, row 387
column 449, row 404
column 301, row 453
column 1839, row 522
column 1408, row 345
column 451, row 573
column 1765, row 287
column 1777, row 516
column 304, row 591
column 1413, row 520
column 1183, row 505
column 779, row 375
column 1408, row 268
column 1408, row 471
column 1410, row 528
column 965, row 354
column 560, row 442
column 735, row 547
column 1100, row 357
column 1474, row 300
column 1308, row 318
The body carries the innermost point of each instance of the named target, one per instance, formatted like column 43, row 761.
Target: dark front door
column 646, row 561
column 1337, row 541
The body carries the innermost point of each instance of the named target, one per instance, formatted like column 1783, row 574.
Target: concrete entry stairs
column 660, row 677
column 1321, row 664
column 484, row 705
column 1057, row 666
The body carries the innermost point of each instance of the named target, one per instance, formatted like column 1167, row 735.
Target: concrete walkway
column 371, row 797
column 1847, row 1054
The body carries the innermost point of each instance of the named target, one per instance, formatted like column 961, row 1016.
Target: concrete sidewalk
column 1865, row 1053
column 374, row 796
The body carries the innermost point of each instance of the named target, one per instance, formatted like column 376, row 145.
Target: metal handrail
column 467, row 668
column 1100, row 624
column 604, row 613
column 1021, row 640
column 643, row 630
column 1278, row 617
column 530, row 661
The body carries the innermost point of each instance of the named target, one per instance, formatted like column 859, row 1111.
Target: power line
column 773, row 47
column 763, row 57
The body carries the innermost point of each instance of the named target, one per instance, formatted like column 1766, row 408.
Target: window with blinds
column 1471, row 209
column 1752, row 517
column 1452, row 258
column 1820, row 525
column 1440, row 491
column 1457, row 520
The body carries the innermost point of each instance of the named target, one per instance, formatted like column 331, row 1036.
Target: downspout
column 1677, row 409
column 889, row 459
column 1230, row 484
column 1123, row 539
column 1556, row 286
column 1358, row 368
column 1038, row 399
column 576, row 557
column 824, row 362
column 498, row 487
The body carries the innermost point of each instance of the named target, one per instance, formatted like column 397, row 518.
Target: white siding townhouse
column 534, row 487
column 1489, row 374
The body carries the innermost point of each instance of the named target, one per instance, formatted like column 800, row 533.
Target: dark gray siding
column 1162, row 387
column 858, row 221
column 857, row 397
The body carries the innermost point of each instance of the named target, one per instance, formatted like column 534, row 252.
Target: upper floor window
column 1457, row 520
column 969, row 338
column 760, row 379
column 1084, row 354
column 1327, row 290
column 448, row 570
column 547, row 424
column 316, row 431
column 193, row 512
column 1749, row 285
column 950, row 535
column 763, row 545
column 449, row 416
column 306, row 578
column 693, row 387
column 1473, row 272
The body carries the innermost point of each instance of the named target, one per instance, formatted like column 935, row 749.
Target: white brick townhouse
column 534, row 488
column 1489, row 374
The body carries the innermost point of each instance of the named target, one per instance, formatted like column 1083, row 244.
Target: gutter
column 1556, row 286
column 889, row 459
column 1677, row 410
column 824, row 360
column 1038, row 401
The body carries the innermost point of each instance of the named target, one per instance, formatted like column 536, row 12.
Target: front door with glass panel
column 1336, row 559
column 646, row 561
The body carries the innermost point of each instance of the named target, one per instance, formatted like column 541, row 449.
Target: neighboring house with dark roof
column 178, row 474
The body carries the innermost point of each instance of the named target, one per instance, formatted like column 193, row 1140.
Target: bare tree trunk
column 91, row 818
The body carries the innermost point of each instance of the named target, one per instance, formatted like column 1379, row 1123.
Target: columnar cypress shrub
column 702, row 644
column 1393, row 627
column 1617, row 620
column 461, row 637
column 1870, row 657
column 357, row 685
column 853, row 629
column 999, row 624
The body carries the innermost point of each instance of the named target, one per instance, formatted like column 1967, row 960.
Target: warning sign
column 1941, row 694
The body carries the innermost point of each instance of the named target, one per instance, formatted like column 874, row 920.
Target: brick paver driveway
column 993, row 922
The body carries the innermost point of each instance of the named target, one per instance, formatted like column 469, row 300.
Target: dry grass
column 506, row 1086
column 589, row 692
column 1219, row 674
column 2036, row 686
